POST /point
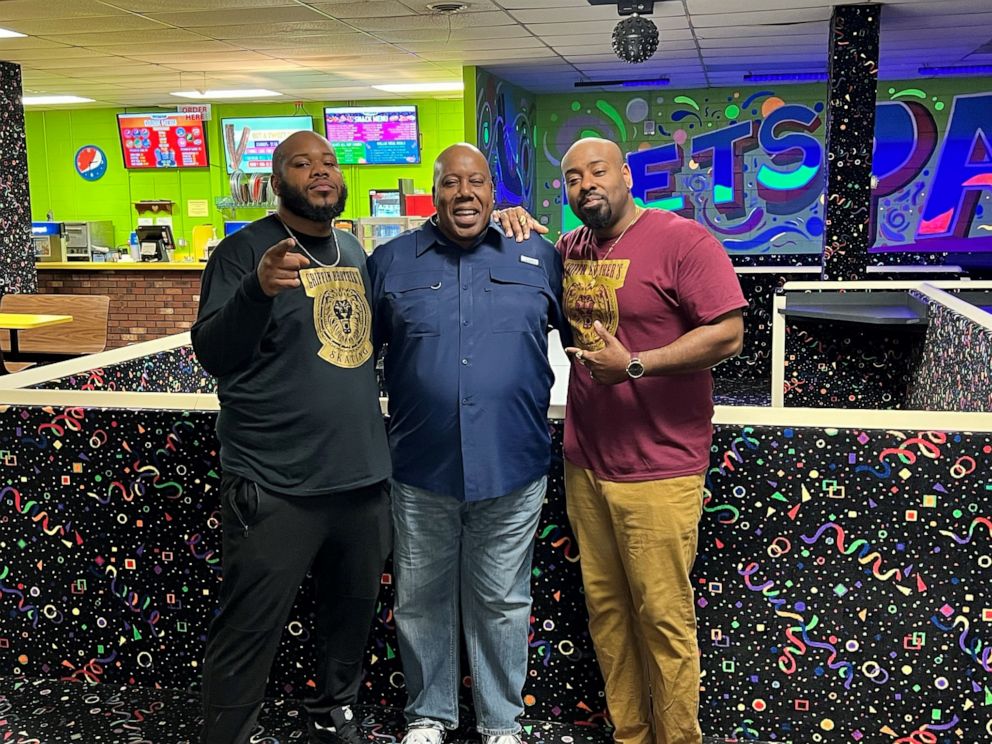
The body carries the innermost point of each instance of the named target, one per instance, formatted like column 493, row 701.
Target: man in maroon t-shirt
column 654, row 303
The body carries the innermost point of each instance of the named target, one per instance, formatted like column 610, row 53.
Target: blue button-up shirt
column 467, row 367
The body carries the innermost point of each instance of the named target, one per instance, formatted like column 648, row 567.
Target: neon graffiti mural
column 933, row 195
column 750, row 166
column 504, row 132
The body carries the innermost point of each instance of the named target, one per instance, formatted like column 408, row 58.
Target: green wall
column 53, row 137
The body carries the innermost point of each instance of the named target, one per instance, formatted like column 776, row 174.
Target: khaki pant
column 638, row 543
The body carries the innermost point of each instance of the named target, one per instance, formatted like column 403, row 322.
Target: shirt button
column 464, row 286
column 464, row 401
column 465, row 361
column 464, row 322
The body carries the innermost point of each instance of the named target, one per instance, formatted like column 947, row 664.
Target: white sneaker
column 423, row 735
column 501, row 739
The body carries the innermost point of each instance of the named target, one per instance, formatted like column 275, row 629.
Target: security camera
column 635, row 39
column 626, row 7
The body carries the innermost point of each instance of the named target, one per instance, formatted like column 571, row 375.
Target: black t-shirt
column 296, row 373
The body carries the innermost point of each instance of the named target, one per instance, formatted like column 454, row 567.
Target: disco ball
column 635, row 39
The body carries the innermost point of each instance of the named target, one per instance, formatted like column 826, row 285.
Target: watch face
column 635, row 369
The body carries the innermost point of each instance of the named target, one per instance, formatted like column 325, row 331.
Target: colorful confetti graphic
column 170, row 371
column 954, row 372
column 841, row 581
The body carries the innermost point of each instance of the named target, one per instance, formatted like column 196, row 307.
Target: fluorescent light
column 6, row 33
column 247, row 93
column 43, row 100
column 644, row 83
column 955, row 70
column 454, row 85
column 785, row 77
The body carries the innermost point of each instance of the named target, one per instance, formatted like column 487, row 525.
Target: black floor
column 47, row 712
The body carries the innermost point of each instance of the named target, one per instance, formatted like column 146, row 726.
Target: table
column 15, row 322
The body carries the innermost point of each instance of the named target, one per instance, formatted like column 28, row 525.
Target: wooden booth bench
column 85, row 334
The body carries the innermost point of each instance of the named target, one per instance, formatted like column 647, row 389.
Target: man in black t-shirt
column 284, row 324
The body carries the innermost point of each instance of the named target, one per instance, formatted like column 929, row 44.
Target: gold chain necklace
column 592, row 236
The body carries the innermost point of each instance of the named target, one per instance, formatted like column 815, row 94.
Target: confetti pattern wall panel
column 849, row 365
column 955, row 369
column 170, row 371
column 843, row 586
column 17, row 273
column 754, row 362
column 834, row 566
column 110, row 566
column 505, row 119
column 851, row 128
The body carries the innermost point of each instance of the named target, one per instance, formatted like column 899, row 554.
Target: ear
column 276, row 183
column 628, row 177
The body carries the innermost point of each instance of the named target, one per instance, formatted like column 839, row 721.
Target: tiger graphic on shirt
column 590, row 294
column 342, row 317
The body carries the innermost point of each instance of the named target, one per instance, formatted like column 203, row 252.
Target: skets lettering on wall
column 929, row 184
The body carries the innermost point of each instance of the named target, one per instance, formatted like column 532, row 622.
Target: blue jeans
column 476, row 555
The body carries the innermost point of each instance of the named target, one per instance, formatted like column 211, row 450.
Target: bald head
column 463, row 193
column 457, row 151
column 588, row 149
column 298, row 143
column 598, row 182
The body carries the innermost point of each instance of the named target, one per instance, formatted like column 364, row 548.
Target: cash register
column 155, row 242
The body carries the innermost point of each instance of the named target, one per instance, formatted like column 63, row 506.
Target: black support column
column 17, row 272
column 854, row 32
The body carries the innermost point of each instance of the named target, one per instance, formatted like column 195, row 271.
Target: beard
column 295, row 200
column 597, row 217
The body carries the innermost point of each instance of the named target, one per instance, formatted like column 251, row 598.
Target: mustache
column 583, row 198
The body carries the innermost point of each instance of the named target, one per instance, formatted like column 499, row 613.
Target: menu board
column 162, row 141
column 380, row 135
column 258, row 137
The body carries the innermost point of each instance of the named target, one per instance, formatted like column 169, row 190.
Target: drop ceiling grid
column 105, row 45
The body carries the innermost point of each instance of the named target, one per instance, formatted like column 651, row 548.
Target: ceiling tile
column 163, row 36
column 366, row 9
column 173, row 6
column 481, row 20
column 290, row 30
column 115, row 24
column 30, row 10
column 290, row 13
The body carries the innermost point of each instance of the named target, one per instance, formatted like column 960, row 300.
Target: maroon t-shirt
column 664, row 277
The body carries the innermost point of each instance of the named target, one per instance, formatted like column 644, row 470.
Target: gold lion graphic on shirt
column 590, row 294
column 341, row 314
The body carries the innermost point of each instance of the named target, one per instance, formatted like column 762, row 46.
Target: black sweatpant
column 269, row 543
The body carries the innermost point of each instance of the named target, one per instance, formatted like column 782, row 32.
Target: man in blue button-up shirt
column 465, row 312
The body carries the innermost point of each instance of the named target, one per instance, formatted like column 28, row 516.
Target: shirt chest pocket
column 414, row 299
column 518, row 300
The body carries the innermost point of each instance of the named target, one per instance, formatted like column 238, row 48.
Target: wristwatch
column 635, row 368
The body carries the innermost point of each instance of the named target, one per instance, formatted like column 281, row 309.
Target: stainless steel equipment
column 82, row 239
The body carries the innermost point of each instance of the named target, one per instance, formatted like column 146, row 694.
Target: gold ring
column 578, row 355
column 522, row 218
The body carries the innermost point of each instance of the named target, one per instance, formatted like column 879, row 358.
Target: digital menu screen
column 162, row 141
column 258, row 137
column 380, row 135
